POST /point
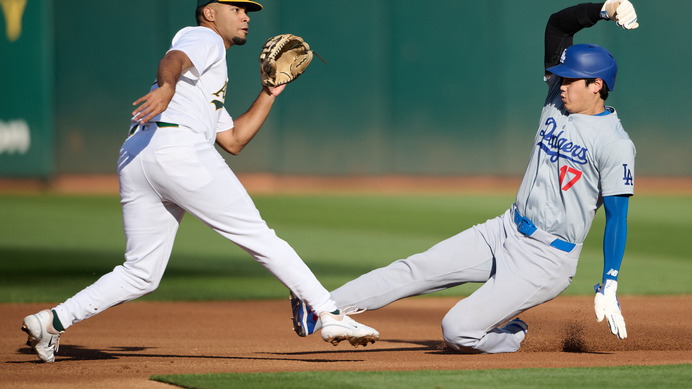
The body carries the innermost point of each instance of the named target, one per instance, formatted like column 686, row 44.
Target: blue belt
column 526, row 227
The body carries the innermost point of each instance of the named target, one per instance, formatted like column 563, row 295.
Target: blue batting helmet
column 587, row 61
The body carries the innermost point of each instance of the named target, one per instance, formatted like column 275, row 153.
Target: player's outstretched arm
column 246, row 126
column 153, row 103
column 606, row 303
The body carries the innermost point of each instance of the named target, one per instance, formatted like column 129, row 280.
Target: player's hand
column 622, row 12
column 606, row 305
column 152, row 104
column 275, row 90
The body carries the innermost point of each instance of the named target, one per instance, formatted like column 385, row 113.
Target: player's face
column 581, row 98
column 232, row 23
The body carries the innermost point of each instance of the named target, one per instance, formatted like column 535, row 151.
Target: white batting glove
column 606, row 305
column 622, row 12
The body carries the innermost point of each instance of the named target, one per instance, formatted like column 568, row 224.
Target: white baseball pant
column 165, row 172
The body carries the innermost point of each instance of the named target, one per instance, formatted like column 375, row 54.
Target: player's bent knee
column 457, row 336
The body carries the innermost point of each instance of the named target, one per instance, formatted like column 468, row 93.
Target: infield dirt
column 125, row 345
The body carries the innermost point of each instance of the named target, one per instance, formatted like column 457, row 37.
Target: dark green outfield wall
column 450, row 87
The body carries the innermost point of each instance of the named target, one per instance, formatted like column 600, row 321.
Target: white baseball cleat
column 43, row 342
column 338, row 327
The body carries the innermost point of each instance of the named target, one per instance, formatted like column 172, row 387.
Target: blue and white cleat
column 305, row 320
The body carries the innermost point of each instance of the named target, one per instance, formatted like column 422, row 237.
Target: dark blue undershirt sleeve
column 614, row 235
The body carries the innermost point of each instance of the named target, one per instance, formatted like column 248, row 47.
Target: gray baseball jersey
column 575, row 160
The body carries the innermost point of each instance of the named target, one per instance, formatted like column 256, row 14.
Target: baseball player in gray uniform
column 169, row 166
column 581, row 159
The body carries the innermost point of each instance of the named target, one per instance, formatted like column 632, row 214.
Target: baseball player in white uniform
column 169, row 166
column 581, row 159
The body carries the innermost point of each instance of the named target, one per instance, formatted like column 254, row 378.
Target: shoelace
column 353, row 310
column 57, row 343
column 54, row 341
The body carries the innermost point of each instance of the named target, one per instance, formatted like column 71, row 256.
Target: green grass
column 671, row 376
column 52, row 246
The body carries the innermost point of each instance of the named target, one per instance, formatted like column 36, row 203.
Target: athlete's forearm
column 247, row 125
column 614, row 235
column 562, row 26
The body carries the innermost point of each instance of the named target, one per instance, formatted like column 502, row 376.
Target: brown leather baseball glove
column 284, row 58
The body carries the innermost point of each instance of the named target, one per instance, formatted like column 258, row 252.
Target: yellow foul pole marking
column 13, row 11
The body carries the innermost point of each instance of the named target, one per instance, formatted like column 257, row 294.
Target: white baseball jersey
column 576, row 159
column 198, row 103
column 166, row 171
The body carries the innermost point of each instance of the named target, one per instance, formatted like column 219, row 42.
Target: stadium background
column 430, row 91
column 446, row 89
